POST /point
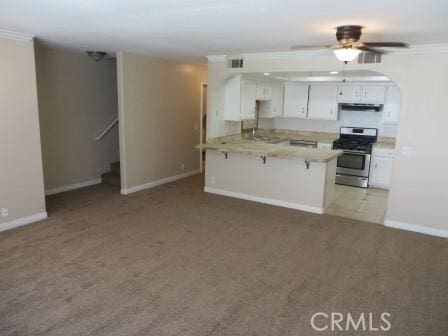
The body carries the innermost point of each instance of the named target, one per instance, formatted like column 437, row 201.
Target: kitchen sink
column 268, row 139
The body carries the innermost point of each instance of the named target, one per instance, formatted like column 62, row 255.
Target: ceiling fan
column 348, row 47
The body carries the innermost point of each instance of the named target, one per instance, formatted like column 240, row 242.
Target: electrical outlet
column 182, row 166
column 212, row 180
column 4, row 212
column 196, row 127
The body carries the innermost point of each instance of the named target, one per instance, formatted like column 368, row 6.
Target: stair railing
column 107, row 129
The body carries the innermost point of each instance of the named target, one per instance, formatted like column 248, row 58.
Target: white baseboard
column 416, row 228
column 23, row 221
column 265, row 200
column 72, row 187
column 126, row 191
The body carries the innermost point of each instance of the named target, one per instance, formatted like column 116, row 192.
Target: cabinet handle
column 376, row 165
column 365, row 94
column 331, row 111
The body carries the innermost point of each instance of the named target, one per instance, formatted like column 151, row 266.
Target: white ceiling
column 191, row 29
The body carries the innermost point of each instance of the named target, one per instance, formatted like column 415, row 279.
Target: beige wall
column 419, row 188
column 77, row 99
column 159, row 106
column 21, row 179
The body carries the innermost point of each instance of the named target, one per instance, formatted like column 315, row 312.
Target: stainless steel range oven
column 353, row 166
column 353, row 169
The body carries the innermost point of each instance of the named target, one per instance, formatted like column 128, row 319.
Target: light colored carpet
column 174, row 260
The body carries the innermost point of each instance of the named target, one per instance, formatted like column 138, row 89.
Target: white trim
column 121, row 120
column 201, row 126
column 416, row 228
column 126, row 191
column 265, row 200
column 23, row 221
column 10, row 35
column 72, row 187
column 216, row 58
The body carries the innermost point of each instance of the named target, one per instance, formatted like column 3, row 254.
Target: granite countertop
column 273, row 150
column 302, row 135
column 385, row 142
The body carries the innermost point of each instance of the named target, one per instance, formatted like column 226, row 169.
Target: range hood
column 361, row 107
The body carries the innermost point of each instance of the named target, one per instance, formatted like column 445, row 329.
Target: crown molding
column 413, row 49
column 7, row 34
column 216, row 58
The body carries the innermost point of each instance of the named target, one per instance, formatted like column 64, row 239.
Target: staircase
column 113, row 177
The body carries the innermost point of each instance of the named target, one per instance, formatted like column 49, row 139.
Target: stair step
column 115, row 167
column 111, row 179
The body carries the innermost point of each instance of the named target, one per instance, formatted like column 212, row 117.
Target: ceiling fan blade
column 309, row 47
column 386, row 44
column 370, row 50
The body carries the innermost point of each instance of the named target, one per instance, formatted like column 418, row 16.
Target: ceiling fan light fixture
column 346, row 54
column 96, row 55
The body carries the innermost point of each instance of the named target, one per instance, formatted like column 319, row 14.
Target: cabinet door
column 274, row 107
column 392, row 105
column 322, row 102
column 261, row 90
column 277, row 99
column 380, row 172
column 269, row 91
column 295, row 100
column 349, row 93
column 373, row 94
column 249, row 91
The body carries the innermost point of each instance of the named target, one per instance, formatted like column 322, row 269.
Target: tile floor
column 358, row 203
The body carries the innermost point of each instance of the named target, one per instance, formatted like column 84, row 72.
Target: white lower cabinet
column 381, row 166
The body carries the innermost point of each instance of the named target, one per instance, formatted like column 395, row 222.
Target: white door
column 249, row 91
column 373, row 94
column 322, row 102
column 392, row 105
column 349, row 93
column 380, row 172
column 295, row 100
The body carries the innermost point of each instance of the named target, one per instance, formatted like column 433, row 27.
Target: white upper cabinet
column 232, row 108
column 265, row 90
column 392, row 105
column 323, row 104
column 240, row 97
column 368, row 94
column 248, row 101
column 274, row 107
column 295, row 100
column 373, row 94
column 349, row 93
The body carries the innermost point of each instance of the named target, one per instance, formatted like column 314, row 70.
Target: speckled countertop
column 271, row 150
column 238, row 143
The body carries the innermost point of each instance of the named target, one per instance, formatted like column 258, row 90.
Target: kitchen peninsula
column 271, row 171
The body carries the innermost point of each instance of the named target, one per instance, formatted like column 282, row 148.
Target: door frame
column 201, row 111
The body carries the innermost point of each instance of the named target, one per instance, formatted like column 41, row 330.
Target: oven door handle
column 355, row 152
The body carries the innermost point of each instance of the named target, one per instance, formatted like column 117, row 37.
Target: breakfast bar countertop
column 272, row 150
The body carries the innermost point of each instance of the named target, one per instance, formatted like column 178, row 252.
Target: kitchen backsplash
column 346, row 118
